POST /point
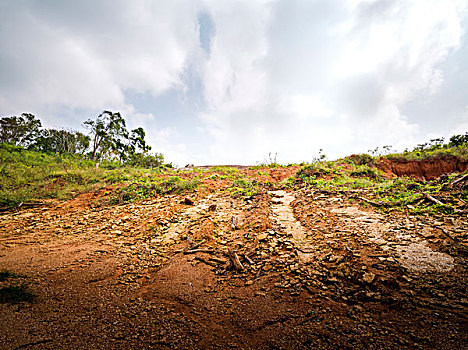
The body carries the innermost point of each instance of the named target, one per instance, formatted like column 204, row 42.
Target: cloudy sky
column 228, row 82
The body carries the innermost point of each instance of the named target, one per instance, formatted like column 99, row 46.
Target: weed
column 361, row 159
column 141, row 190
column 225, row 170
column 365, row 171
column 243, row 187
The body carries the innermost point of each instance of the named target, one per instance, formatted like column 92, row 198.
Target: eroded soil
column 317, row 270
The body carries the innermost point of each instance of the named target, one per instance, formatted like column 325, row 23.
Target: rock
column 368, row 277
column 188, row 201
column 262, row 236
column 335, row 258
column 212, row 207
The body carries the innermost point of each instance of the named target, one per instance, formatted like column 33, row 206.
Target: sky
column 242, row 82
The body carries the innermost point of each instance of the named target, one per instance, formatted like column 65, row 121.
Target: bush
column 361, row 159
column 365, row 171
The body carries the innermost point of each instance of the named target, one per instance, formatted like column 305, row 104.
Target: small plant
column 270, row 162
column 242, row 187
column 361, row 159
column 365, row 171
column 141, row 190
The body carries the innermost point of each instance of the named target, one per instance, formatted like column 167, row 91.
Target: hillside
column 329, row 255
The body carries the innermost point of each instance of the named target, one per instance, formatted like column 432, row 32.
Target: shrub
column 365, row 171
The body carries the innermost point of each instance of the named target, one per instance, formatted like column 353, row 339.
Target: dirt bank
column 426, row 169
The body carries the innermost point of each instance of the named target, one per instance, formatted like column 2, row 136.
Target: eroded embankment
column 425, row 169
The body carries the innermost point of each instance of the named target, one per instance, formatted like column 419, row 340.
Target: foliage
column 365, row 171
column 61, row 141
column 456, row 147
column 243, row 187
column 108, row 131
column 361, row 159
column 19, row 131
column 398, row 194
column 225, row 170
column 142, row 190
column 26, row 175
column 458, row 140
column 146, row 160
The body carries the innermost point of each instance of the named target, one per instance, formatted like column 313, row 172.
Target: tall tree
column 61, row 141
column 19, row 131
column 108, row 132
column 137, row 141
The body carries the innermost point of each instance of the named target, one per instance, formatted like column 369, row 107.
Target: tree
column 458, row 140
column 19, row 131
column 108, row 133
column 61, row 141
column 137, row 141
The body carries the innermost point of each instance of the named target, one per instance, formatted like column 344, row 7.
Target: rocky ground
column 282, row 269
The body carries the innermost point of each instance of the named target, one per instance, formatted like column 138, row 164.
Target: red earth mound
column 426, row 169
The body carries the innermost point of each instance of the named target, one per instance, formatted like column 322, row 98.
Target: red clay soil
column 320, row 272
column 425, row 169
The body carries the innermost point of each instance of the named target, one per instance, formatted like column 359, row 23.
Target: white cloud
column 87, row 54
column 286, row 76
column 355, row 65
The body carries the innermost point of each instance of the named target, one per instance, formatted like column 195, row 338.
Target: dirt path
column 318, row 271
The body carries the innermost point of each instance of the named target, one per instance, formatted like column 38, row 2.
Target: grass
column 428, row 151
column 399, row 193
column 147, row 189
column 26, row 176
column 224, row 170
column 244, row 188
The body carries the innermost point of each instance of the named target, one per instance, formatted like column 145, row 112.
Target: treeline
column 107, row 139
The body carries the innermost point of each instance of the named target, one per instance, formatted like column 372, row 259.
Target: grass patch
column 141, row 190
column 244, row 188
column 225, row 170
column 365, row 171
column 402, row 193
column 29, row 175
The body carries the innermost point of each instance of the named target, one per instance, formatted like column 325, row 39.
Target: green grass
column 28, row 175
column 244, row 188
column 398, row 193
column 225, row 170
column 432, row 152
column 147, row 189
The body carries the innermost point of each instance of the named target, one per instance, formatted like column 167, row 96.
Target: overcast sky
column 227, row 82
